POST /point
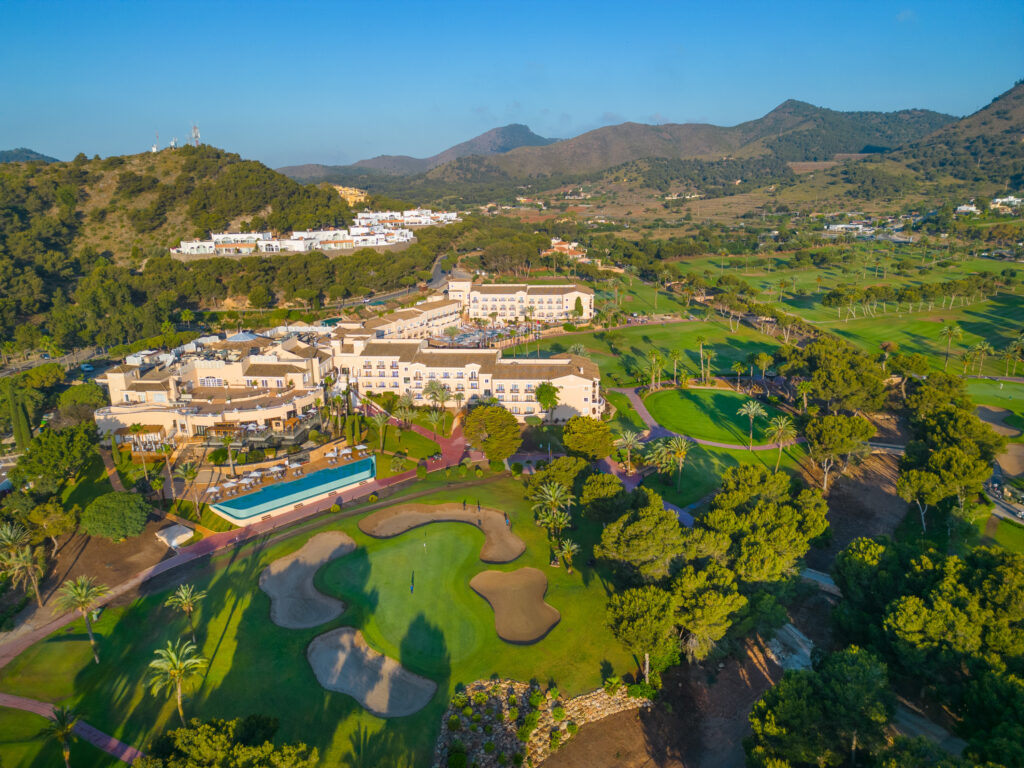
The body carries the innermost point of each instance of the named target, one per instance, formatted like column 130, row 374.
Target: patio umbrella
column 230, row 484
column 332, row 453
column 212, row 489
column 346, row 451
column 360, row 447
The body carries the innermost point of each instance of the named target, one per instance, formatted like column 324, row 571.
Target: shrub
column 448, row 473
column 479, row 472
column 115, row 516
column 454, row 723
column 517, row 759
column 467, row 711
column 457, row 760
column 218, row 456
column 572, row 728
column 568, row 327
column 558, row 714
column 523, row 733
column 640, row 691
column 421, row 471
column 335, row 509
column 517, row 468
column 372, row 498
column 489, row 747
column 496, row 466
column 501, row 758
column 459, row 700
column 553, row 693
column 480, row 698
column 536, row 699
column 612, row 685
column 556, row 740
column 488, row 728
column 463, row 470
column 513, row 714
column 477, row 717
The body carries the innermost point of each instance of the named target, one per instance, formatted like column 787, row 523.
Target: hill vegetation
column 25, row 155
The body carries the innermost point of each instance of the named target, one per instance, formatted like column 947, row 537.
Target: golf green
column 708, row 415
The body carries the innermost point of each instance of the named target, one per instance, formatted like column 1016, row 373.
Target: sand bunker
column 1012, row 462
column 342, row 661
column 996, row 418
column 500, row 544
column 294, row 602
column 517, row 598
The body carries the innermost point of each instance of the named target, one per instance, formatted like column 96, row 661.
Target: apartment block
column 513, row 302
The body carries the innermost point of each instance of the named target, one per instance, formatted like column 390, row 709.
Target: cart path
column 655, row 431
column 83, row 730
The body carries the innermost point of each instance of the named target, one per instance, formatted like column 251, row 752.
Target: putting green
column 708, row 415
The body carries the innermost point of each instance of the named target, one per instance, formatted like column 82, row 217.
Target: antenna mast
column 195, row 134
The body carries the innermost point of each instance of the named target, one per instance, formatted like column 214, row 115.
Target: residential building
column 512, row 302
column 351, row 195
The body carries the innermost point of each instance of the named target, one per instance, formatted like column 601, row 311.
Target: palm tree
column 653, row 368
column 13, row 536
column 701, row 341
column 188, row 473
column 458, row 397
column 397, row 463
column 781, row 430
column 172, row 667
column 567, row 549
column 629, row 442
column 579, row 350
column 158, row 485
column 983, row 349
column 380, row 420
column 186, row 598
column 676, row 356
column 738, row 368
column 22, row 568
column 803, row 389
column 61, row 729
column 556, row 522
column 669, row 455
column 709, row 356
column 187, row 316
column 136, row 430
column 226, row 441
column 82, row 595
column 551, row 496
column 436, row 421
column 949, row 333
column 752, row 410
column 434, row 391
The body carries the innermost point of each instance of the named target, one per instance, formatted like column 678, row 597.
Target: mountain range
column 25, row 155
column 792, row 131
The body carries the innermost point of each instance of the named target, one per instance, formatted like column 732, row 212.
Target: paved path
column 83, row 730
column 656, row 431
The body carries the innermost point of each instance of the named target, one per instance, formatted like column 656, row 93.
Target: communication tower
column 156, row 144
column 195, row 134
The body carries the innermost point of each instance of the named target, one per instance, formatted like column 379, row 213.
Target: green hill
column 25, row 155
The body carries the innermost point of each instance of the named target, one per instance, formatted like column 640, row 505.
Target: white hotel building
column 554, row 303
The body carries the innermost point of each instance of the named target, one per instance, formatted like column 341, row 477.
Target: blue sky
column 335, row 82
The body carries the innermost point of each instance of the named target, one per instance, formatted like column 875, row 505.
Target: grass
column 24, row 745
column 91, row 482
column 620, row 353
column 443, row 630
column 626, row 417
column 411, row 443
column 1006, row 533
column 707, row 415
column 207, row 517
column 1001, row 394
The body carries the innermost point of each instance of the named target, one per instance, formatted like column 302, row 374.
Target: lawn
column 442, row 630
column 704, row 466
column 89, row 484
column 708, row 414
column 1005, row 533
column 626, row 417
column 1001, row 394
column 23, row 745
column 207, row 517
column 411, row 443
column 620, row 353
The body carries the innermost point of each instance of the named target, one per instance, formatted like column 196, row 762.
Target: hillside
column 984, row 147
column 25, row 155
column 494, row 142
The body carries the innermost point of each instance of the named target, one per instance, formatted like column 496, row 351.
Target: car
column 87, row 368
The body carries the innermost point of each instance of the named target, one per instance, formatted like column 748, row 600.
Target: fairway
column 441, row 630
column 708, row 415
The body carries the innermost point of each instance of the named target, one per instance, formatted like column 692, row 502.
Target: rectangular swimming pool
column 281, row 496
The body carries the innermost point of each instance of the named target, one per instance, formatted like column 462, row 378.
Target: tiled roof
column 272, row 369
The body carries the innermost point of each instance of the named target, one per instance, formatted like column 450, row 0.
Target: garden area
column 441, row 630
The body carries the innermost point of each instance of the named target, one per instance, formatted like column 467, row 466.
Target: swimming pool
column 281, row 497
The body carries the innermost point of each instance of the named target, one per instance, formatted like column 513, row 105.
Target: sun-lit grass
column 708, row 414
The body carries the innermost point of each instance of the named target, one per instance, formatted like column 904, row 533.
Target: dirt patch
column 863, row 503
column 702, row 727
column 1012, row 462
column 294, row 602
column 342, row 661
column 500, row 544
column 996, row 418
column 517, row 599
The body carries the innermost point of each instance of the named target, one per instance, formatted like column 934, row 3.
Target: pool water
column 288, row 494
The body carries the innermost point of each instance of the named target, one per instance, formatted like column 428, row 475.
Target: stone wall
column 488, row 718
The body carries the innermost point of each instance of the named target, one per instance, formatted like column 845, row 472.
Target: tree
column 738, row 368
column 644, row 543
column 832, row 439
column 629, row 441
column 172, row 667
column 56, row 456
column 668, row 455
column 547, row 396
column 51, row 520
column 701, row 341
column 676, row 356
column 116, row 515
column 137, row 429
column 705, row 600
column 579, row 350
column 641, row 619
column 493, row 430
column 436, row 392
column 604, row 497
column 782, row 431
column 752, row 410
column 922, row 488
column 186, row 598
column 458, row 397
column 550, row 497
column 380, row 421
column 188, row 473
column 763, row 361
column 960, row 474
column 222, row 743
column 61, row 729
column 588, row 437
column 567, row 549
column 13, row 536
column 83, row 594
column 23, row 569
column 227, row 441
column 436, row 420
column 803, row 389
column 950, row 333
column 260, row 297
